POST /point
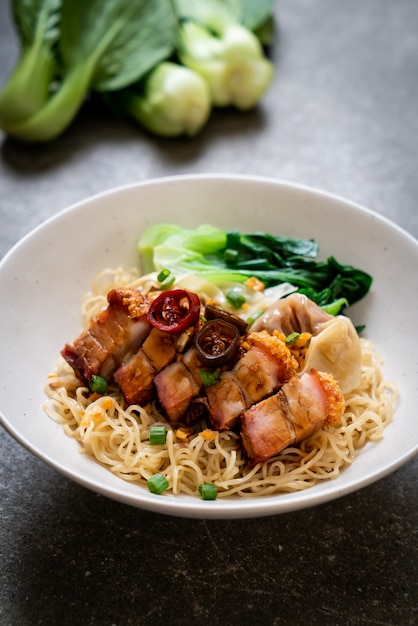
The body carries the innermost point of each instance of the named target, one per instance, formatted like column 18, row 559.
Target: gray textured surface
column 342, row 115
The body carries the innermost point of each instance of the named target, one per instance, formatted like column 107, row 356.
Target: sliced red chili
column 217, row 342
column 175, row 310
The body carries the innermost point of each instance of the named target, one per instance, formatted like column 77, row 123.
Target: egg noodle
column 117, row 435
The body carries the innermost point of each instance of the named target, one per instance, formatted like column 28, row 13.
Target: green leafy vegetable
column 216, row 14
column 28, row 87
column 216, row 40
column 104, row 45
column 271, row 259
column 173, row 101
column 163, row 63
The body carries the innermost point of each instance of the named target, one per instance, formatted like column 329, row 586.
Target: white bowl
column 44, row 276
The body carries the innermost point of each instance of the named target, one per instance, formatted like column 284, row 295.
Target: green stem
column 59, row 111
column 27, row 88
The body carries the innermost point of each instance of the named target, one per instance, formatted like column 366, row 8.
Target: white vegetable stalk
column 233, row 64
column 176, row 101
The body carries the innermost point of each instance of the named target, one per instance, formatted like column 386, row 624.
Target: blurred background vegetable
column 164, row 63
column 174, row 100
column 214, row 41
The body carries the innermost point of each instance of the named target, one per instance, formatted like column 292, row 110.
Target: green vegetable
column 166, row 279
column 163, row 275
column 163, row 63
column 157, row 484
column 104, row 45
column 157, row 435
column 227, row 54
column 98, row 384
column 235, row 298
column 271, row 259
column 218, row 14
column 208, row 491
column 174, row 101
column 292, row 338
column 29, row 86
column 335, row 307
column 254, row 316
column 209, row 378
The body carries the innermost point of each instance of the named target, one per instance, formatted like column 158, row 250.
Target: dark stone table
column 342, row 115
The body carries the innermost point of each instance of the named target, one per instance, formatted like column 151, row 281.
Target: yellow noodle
column 117, row 435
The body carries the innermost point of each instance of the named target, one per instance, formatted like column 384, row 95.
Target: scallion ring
column 157, row 435
column 157, row 484
column 235, row 298
column 208, row 491
column 98, row 384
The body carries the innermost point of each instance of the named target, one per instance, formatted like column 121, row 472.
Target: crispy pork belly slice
column 302, row 406
column 264, row 367
column 176, row 388
column 136, row 379
column 265, row 429
column 260, row 372
column 111, row 337
column 160, row 348
column 312, row 401
column 226, row 402
column 294, row 313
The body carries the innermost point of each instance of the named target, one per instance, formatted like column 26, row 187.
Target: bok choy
column 174, row 100
column 229, row 256
column 164, row 63
column 103, row 45
column 216, row 40
column 29, row 86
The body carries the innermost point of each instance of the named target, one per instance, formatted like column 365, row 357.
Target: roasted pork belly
column 176, row 388
column 160, row 348
column 226, row 401
column 302, row 406
column 112, row 336
column 260, row 371
column 136, row 379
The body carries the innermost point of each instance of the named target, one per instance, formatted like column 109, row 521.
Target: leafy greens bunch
column 164, row 63
column 229, row 256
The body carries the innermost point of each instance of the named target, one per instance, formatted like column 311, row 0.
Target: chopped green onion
column 209, row 378
column 157, row 483
column 166, row 279
column 157, row 435
column 254, row 316
column 163, row 275
column 98, row 384
column 292, row 338
column 208, row 491
column 235, row 298
column 168, row 282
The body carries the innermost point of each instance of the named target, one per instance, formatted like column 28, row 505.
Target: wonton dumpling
column 295, row 313
column 334, row 346
column 336, row 349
